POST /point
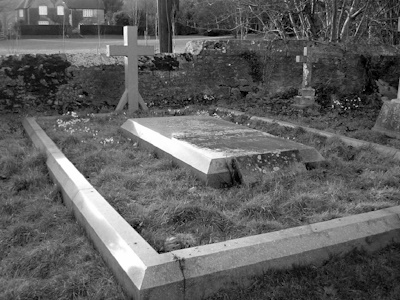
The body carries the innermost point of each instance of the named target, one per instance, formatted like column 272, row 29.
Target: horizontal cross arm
column 145, row 50
column 323, row 52
column 305, row 59
column 117, row 50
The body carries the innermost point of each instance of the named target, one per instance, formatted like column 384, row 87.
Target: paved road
column 85, row 45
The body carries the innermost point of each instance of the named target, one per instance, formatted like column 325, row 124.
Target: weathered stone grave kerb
column 310, row 55
column 388, row 121
column 219, row 152
column 131, row 50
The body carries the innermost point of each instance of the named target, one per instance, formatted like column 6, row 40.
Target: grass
column 44, row 253
column 171, row 209
column 357, row 276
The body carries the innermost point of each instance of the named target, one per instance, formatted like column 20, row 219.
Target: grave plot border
column 198, row 272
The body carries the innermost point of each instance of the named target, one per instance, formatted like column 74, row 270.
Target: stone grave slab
column 388, row 121
column 219, row 152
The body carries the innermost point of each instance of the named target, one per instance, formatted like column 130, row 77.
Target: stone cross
column 131, row 50
column 307, row 59
column 307, row 93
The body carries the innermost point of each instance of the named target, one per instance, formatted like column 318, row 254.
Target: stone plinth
column 220, row 153
column 305, row 99
column 388, row 121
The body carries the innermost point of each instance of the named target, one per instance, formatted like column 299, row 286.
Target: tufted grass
column 357, row 276
column 161, row 201
column 44, row 254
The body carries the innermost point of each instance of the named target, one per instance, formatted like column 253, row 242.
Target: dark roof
column 85, row 4
column 73, row 4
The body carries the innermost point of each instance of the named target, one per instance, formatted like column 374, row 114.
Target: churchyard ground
column 357, row 276
column 161, row 200
column 44, row 253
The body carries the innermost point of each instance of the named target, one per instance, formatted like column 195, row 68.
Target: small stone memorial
column 388, row 121
column 306, row 93
column 219, row 152
column 311, row 55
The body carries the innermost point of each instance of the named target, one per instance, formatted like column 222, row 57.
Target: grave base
column 388, row 121
column 305, row 99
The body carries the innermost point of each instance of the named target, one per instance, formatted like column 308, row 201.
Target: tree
column 122, row 18
column 6, row 10
column 111, row 7
column 325, row 20
column 142, row 13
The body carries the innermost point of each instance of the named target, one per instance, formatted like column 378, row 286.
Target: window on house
column 88, row 13
column 60, row 10
column 43, row 10
column 44, row 23
column 21, row 13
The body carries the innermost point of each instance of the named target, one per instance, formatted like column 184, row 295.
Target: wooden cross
column 307, row 59
column 131, row 50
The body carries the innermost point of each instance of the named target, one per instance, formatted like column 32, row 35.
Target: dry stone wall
column 216, row 69
column 30, row 80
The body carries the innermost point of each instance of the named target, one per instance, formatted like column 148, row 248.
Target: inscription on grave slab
column 219, row 152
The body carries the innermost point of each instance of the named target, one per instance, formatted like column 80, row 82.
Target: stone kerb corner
column 128, row 255
column 198, row 272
